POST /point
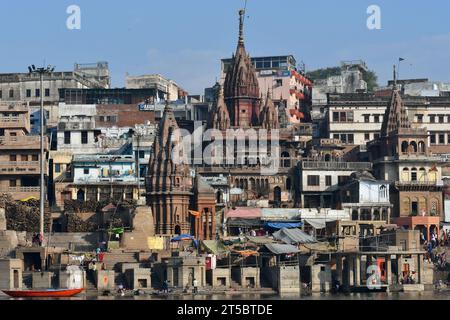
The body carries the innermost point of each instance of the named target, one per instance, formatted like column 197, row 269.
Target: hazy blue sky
column 184, row 40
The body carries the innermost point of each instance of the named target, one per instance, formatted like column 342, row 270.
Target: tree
column 371, row 78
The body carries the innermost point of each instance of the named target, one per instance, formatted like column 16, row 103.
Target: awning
column 281, row 225
column 293, row 236
column 214, row 246
column 243, row 212
column 182, row 237
column 260, row 240
column 316, row 223
column 279, row 248
column 245, row 223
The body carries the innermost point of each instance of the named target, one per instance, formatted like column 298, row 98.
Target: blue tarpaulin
column 281, row 225
column 182, row 237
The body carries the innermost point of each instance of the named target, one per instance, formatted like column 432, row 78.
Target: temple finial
column 241, row 26
column 395, row 77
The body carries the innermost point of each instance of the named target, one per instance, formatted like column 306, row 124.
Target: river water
column 426, row 295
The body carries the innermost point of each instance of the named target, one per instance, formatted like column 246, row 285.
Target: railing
column 336, row 165
column 19, row 163
column 418, row 183
column 20, row 189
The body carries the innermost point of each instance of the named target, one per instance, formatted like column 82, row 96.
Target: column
column 419, row 268
column 339, row 268
column 388, row 269
column 428, row 232
column 351, row 271
column 359, row 213
column 389, row 214
column 371, row 213
column 357, row 270
column 399, row 268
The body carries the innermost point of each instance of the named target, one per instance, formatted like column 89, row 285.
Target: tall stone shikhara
column 241, row 89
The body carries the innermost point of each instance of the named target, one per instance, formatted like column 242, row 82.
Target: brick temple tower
column 241, row 89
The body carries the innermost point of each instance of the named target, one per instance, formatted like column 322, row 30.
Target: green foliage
column 323, row 73
column 370, row 76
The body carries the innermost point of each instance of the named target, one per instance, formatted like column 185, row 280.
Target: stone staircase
column 114, row 259
column 80, row 242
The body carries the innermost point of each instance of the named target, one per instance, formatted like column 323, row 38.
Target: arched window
column 383, row 193
column 422, row 175
column 422, row 206
column 355, row 215
column 285, row 159
column 327, row 157
column 413, row 145
column 421, row 147
column 404, row 146
column 252, row 184
column 405, row 174
column 384, row 215
column 406, row 209
column 434, row 207
column 432, row 175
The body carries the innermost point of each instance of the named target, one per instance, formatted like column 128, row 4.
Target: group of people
column 37, row 239
column 441, row 239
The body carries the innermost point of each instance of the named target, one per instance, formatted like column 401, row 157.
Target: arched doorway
column 277, row 194
column 80, row 195
column 177, row 230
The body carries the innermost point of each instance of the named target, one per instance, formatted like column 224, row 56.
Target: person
column 433, row 240
column 165, row 286
column 195, row 284
column 253, row 233
column 121, row 290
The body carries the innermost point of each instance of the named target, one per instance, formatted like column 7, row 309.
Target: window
column 351, row 138
column 2, row 132
column 432, row 119
column 342, row 180
column 419, row 118
column 343, row 117
column 441, row 119
column 441, row 138
column 366, row 118
column 328, row 181
column 86, row 170
column 12, row 183
column 57, row 167
column 1, row 94
column 12, row 157
column 11, row 93
column 448, row 117
column 432, row 138
column 367, row 136
column 47, row 92
column 313, row 180
column 141, row 154
column 34, row 157
column 24, row 157
column 67, row 137
column 28, row 93
column 335, row 136
column 38, row 93
column 413, row 174
column 448, row 138
column 376, row 136
column 84, row 137
column 335, row 116
column 376, row 118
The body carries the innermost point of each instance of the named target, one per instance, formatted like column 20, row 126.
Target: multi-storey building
column 357, row 118
column 19, row 152
column 402, row 156
column 26, row 86
column 157, row 82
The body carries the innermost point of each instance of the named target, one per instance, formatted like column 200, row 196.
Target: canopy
column 293, row 236
column 279, row 248
column 244, row 212
column 214, row 246
column 247, row 253
column 281, row 225
column 182, row 237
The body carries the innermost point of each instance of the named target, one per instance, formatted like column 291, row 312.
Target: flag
column 401, row 59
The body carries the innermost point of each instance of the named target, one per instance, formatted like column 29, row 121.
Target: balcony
column 20, row 167
column 19, row 193
column 419, row 185
column 76, row 126
column 330, row 165
column 21, row 142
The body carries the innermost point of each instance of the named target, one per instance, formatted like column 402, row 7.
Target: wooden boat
column 50, row 293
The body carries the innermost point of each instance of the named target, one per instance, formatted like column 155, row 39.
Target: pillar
column 388, row 269
column 371, row 213
column 357, row 270
column 419, row 268
column 339, row 268
column 351, row 271
column 428, row 232
column 359, row 214
column 399, row 268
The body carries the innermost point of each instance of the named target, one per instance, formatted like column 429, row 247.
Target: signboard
column 445, row 157
column 235, row 191
column 146, row 107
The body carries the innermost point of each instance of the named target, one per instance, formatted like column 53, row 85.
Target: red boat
column 50, row 293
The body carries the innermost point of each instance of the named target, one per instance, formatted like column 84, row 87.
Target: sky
column 185, row 40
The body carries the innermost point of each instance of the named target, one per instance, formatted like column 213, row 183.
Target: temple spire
column 241, row 26
column 395, row 77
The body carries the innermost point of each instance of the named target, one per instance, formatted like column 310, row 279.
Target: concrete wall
column 224, row 273
column 289, row 279
column 10, row 268
column 105, row 279
column 139, row 278
column 42, row 280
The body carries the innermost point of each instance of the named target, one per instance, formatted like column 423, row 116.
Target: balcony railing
column 332, row 165
column 20, row 189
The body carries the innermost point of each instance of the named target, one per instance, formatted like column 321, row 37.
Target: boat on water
column 49, row 293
